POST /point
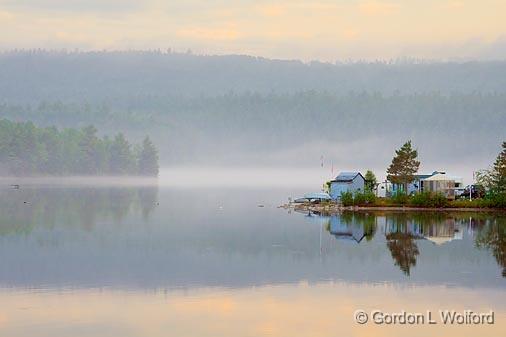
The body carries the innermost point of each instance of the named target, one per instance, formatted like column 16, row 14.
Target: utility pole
column 471, row 189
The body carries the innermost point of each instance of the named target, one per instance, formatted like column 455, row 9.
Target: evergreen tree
column 71, row 151
column 370, row 180
column 104, row 154
column 26, row 149
column 499, row 171
column 148, row 159
column 404, row 166
column 88, row 146
column 54, row 163
column 121, row 160
column 485, row 178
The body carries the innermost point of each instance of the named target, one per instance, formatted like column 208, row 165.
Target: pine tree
column 27, row 149
column 370, row 180
column 148, row 159
column 120, row 156
column 404, row 166
column 499, row 171
column 88, row 158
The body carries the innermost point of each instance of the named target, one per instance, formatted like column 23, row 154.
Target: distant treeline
column 309, row 111
column 189, row 127
column 35, row 75
column 29, row 150
column 240, row 109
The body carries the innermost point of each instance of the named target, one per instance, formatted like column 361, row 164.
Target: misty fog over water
column 239, row 111
column 101, row 254
column 196, row 168
column 147, row 237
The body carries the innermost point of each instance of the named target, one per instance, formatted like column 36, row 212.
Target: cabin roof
column 423, row 176
column 347, row 236
column 347, row 176
column 440, row 177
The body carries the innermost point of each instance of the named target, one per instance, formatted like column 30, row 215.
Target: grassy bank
column 421, row 200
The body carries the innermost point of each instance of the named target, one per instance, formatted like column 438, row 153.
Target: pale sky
column 297, row 29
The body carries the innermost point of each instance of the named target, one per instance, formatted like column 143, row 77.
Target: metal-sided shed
column 346, row 182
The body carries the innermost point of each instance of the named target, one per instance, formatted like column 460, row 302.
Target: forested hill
column 247, row 110
column 279, row 128
column 33, row 76
column 29, row 150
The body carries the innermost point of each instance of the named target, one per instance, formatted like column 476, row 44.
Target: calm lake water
column 208, row 261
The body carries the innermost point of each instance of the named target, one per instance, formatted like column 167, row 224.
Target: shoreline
column 337, row 208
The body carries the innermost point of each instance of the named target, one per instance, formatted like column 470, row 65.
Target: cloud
column 73, row 5
column 350, row 33
column 455, row 4
column 271, row 10
column 495, row 50
column 4, row 15
column 204, row 33
column 377, row 8
column 284, row 8
column 303, row 29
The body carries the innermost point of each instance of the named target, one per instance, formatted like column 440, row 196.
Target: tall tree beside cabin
column 370, row 180
column 499, row 171
column 404, row 166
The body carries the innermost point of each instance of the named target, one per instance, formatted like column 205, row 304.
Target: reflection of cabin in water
column 442, row 232
column 437, row 232
column 346, row 231
column 410, row 227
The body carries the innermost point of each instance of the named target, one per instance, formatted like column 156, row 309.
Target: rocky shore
column 335, row 208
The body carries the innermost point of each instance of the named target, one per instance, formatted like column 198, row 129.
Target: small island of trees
column 26, row 149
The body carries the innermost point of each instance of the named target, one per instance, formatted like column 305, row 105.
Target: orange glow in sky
column 295, row 29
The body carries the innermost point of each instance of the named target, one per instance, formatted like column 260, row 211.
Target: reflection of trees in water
column 120, row 201
column 369, row 226
column 403, row 249
column 22, row 210
column 148, row 199
column 493, row 237
column 400, row 234
column 404, row 228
